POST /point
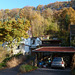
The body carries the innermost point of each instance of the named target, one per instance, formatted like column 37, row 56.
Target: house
column 30, row 43
column 46, row 37
column 25, row 45
column 51, row 43
column 35, row 42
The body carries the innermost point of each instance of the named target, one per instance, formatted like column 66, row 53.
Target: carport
column 45, row 52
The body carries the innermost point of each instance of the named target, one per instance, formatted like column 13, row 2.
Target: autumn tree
column 4, row 14
column 51, row 25
column 1, row 15
column 13, row 13
column 65, row 18
column 25, row 12
column 36, row 20
column 12, row 29
column 47, row 13
column 39, row 7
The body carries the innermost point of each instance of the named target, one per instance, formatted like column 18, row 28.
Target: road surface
column 40, row 71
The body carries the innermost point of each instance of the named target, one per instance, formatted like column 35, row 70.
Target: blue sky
column 10, row 4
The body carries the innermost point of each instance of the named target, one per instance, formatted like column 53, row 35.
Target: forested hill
column 55, row 6
column 53, row 19
column 15, row 12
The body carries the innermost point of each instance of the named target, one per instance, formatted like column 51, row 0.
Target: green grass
column 27, row 68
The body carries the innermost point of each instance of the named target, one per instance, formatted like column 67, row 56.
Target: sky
column 11, row 4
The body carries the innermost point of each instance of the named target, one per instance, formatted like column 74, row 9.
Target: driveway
column 40, row 71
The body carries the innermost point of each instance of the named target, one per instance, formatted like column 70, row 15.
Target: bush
column 7, row 61
column 14, row 60
column 3, row 54
column 2, row 65
column 27, row 68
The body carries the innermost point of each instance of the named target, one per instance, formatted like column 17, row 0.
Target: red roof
column 55, row 49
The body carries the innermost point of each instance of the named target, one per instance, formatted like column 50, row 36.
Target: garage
column 44, row 54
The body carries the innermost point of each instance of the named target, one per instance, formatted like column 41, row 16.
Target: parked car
column 58, row 62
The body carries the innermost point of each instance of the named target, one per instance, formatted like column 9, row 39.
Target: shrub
column 6, row 61
column 9, row 58
column 2, row 65
column 34, row 67
column 3, row 54
column 27, row 68
column 13, row 62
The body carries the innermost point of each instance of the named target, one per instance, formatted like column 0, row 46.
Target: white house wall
column 25, row 45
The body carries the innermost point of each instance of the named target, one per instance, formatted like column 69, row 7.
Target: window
column 33, row 42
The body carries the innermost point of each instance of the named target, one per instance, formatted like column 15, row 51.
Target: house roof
column 55, row 49
column 51, row 40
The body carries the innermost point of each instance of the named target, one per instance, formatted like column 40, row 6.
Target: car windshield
column 57, row 59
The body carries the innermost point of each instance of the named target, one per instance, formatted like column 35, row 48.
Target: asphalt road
column 40, row 71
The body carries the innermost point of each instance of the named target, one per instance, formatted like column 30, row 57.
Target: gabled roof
column 55, row 49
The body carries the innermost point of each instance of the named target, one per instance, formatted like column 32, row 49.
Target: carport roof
column 55, row 49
